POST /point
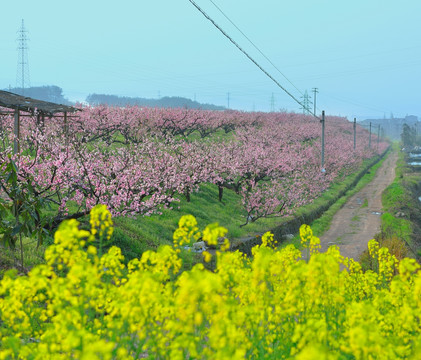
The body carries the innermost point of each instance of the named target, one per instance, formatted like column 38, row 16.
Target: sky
column 364, row 56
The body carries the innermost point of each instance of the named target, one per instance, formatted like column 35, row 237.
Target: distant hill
column 54, row 94
column 49, row 93
column 165, row 102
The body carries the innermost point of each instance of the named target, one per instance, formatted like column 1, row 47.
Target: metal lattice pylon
column 22, row 74
column 306, row 103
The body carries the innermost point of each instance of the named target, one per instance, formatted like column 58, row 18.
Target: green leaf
column 16, row 229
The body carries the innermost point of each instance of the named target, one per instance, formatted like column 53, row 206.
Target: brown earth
column 356, row 223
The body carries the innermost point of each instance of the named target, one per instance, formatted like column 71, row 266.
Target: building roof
column 14, row 101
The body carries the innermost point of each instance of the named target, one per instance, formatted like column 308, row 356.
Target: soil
column 356, row 223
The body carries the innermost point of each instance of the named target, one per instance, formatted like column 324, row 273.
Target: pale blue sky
column 363, row 55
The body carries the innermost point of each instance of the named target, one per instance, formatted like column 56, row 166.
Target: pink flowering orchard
column 140, row 160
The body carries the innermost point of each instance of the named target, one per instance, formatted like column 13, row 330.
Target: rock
column 221, row 240
column 199, row 246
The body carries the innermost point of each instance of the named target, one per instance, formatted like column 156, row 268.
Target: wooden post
column 16, row 132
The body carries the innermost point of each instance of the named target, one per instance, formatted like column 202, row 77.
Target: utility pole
column 272, row 103
column 378, row 137
column 369, row 139
column 315, row 91
column 355, row 133
column 323, row 141
column 228, row 100
column 22, row 75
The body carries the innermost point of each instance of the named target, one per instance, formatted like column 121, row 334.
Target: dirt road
column 356, row 223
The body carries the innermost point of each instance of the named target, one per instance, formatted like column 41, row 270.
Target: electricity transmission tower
column 306, row 103
column 22, row 74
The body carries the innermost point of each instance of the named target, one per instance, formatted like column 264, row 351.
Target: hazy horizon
column 364, row 57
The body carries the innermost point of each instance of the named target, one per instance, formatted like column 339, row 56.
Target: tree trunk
column 188, row 195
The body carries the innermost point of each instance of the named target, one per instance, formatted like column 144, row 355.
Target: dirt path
column 356, row 223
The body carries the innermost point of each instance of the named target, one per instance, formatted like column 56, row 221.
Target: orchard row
column 139, row 160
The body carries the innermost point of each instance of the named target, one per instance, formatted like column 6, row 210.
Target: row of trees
column 164, row 102
column 50, row 93
column 409, row 136
column 139, row 160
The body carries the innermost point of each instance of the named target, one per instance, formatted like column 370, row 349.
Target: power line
column 352, row 102
column 255, row 46
column 244, row 52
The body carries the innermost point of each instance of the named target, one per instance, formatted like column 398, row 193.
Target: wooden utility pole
column 369, row 138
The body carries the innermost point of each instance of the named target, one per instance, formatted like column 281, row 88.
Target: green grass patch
column 393, row 226
column 135, row 235
column 355, row 218
column 32, row 256
column 400, row 203
column 394, row 196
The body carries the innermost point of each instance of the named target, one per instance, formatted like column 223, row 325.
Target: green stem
column 21, row 251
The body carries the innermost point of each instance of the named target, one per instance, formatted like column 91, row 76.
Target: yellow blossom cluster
column 101, row 222
column 274, row 305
